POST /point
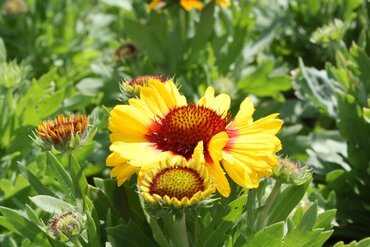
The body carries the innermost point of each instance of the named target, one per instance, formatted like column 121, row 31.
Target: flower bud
column 292, row 173
column 68, row 224
column 14, row 7
column 63, row 133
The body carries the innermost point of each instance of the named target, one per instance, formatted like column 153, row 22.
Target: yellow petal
column 154, row 3
column 122, row 170
column 198, row 152
column 127, row 124
column 223, row 3
column 244, row 116
column 189, row 4
column 220, row 103
column 216, row 144
column 115, row 159
column 241, row 174
column 154, row 101
column 221, row 182
column 139, row 154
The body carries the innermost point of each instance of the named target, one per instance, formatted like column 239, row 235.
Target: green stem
column 251, row 208
column 76, row 242
column 177, row 231
column 262, row 216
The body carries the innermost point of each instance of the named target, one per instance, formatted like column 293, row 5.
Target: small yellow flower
column 175, row 182
column 154, row 3
column 189, row 4
column 63, row 132
column 223, row 3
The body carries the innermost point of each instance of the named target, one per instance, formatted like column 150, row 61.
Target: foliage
column 342, row 92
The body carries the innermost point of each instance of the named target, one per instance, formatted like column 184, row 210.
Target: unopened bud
column 292, row 173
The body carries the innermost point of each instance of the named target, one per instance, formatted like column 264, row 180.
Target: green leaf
column 128, row 235
column 92, row 231
column 51, row 204
column 90, row 86
column 203, row 28
column 2, row 51
column 23, row 226
column 316, row 86
column 286, row 201
column 45, row 80
column 320, row 240
column 263, row 82
column 309, row 218
column 270, row 236
column 325, row 219
column 51, row 104
column 301, row 238
column 222, row 221
column 57, row 169
column 78, row 178
column 34, row 181
column 33, row 216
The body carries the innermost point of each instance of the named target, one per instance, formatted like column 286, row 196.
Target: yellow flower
column 223, row 3
column 189, row 4
column 175, row 182
column 161, row 124
column 250, row 150
column 154, row 3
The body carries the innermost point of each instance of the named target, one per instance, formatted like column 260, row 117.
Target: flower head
column 126, row 50
column 15, row 7
column 161, row 124
column 63, row 132
column 175, row 182
column 68, row 224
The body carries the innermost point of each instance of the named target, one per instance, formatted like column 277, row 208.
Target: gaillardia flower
column 175, row 182
column 63, row 132
column 161, row 124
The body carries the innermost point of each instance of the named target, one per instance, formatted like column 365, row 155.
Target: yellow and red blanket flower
column 162, row 124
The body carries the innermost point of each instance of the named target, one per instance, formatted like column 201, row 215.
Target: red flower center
column 183, row 127
column 177, row 182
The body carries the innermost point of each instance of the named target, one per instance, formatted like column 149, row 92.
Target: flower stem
column 177, row 232
column 262, row 217
column 75, row 242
